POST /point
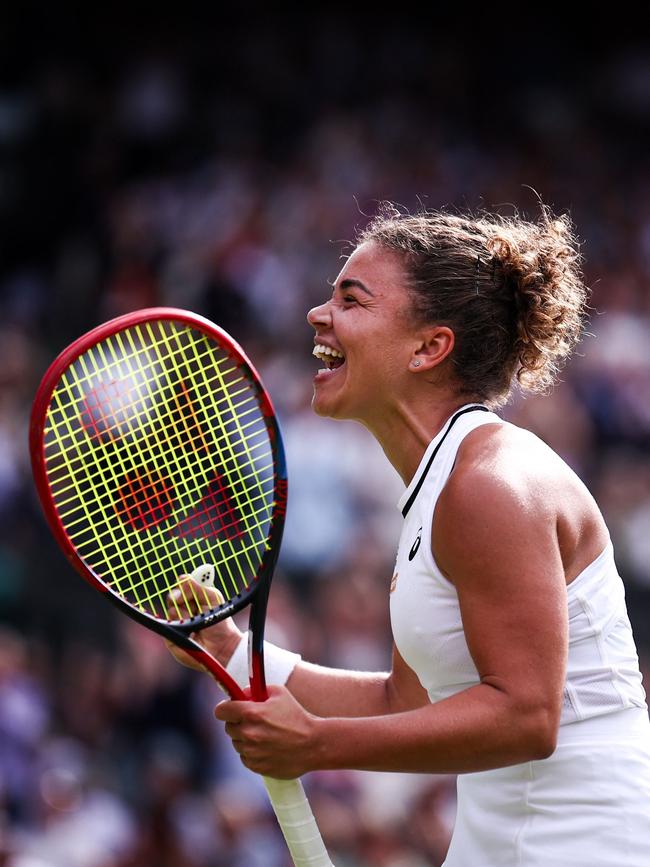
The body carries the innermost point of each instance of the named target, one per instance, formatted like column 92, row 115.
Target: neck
column 405, row 432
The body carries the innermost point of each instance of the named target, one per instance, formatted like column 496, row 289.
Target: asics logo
column 416, row 545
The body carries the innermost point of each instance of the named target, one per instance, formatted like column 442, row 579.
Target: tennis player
column 514, row 662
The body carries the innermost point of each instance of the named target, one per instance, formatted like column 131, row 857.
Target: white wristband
column 278, row 663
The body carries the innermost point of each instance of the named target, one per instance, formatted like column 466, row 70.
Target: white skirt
column 587, row 805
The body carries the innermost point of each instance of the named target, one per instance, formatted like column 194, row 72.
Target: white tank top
column 603, row 667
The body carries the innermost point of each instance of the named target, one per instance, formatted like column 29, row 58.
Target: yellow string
column 181, row 414
column 226, row 464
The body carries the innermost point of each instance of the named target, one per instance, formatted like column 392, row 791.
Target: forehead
column 379, row 269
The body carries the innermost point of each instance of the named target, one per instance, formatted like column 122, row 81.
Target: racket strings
column 140, row 599
column 163, row 418
column 160, row 552
column 159, row 460
column 125, row 581
column 85, row 543
column 113, row 554
column 151, row 442
column 240, row 493
column 78, row 524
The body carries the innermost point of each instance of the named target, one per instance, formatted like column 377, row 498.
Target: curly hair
column 511, row 290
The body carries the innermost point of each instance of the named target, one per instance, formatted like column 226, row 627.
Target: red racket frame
column 257, row 593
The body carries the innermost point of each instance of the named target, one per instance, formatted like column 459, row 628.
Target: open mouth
column 332, row 357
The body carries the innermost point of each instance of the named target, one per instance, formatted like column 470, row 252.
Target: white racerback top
column 603, row 667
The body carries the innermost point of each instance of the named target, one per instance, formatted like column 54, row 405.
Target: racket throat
column 256, row 622
column 256, row 668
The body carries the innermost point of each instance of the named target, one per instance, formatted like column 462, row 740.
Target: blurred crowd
column 226, row 173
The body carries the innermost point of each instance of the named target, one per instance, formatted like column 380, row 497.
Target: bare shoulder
column 510, row 492
column 505, row 445
column 506, row 464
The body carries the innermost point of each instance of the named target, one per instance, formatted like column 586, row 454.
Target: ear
column 435, row 345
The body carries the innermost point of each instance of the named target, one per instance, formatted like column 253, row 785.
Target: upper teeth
column 321, row 351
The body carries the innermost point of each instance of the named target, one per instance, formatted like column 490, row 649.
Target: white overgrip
column 297, row 822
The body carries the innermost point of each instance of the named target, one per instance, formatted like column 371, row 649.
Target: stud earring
column 417, row 363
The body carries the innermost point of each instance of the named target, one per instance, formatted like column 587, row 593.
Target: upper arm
column 495, row 538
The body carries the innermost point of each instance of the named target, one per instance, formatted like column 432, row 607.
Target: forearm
column 330, row 692
column 322, row 691
column 474, row 730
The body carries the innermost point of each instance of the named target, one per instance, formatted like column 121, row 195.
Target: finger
column 183, row 657
column 233, row 730
column 178, row 601
column 189, row 598
column 231, row 711
column 176, row 651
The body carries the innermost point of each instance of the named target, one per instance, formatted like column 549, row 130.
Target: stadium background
column 221, row 165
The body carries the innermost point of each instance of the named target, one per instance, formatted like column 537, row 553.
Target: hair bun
column 540, row 265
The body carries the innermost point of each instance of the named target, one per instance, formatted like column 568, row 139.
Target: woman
column 514, row 664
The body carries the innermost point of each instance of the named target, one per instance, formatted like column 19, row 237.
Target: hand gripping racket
column 156, row 452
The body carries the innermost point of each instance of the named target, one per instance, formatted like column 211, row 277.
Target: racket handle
column 297, row 823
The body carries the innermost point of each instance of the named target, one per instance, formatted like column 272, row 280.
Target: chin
column 319, row 407
column 325, row 409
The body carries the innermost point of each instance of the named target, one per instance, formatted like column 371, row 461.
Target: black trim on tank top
column 454, row 418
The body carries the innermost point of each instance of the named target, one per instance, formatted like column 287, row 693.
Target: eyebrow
column 350, row 283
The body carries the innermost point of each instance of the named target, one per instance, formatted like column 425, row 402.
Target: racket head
column 155, row 449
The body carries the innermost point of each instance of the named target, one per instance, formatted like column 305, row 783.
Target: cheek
column 376, row 375
column 389, row 361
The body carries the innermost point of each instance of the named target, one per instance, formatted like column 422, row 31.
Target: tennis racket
column 156, row 452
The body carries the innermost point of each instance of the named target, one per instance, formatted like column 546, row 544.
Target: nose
column 320, row 315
